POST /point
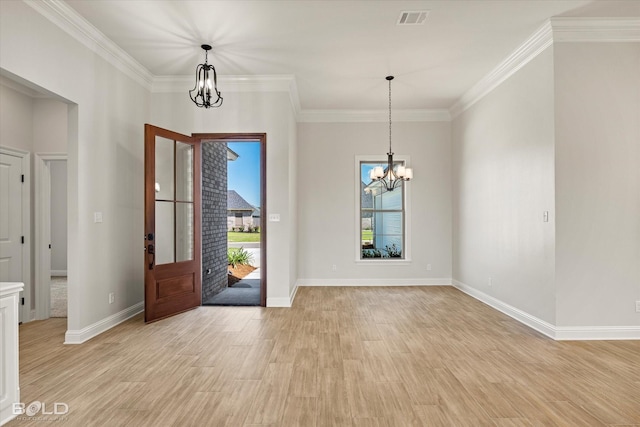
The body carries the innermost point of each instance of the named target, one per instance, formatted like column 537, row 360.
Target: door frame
column 262, row 139
column 25, row 310
column 42, row 222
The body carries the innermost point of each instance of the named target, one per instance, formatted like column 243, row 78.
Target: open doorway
column 40, row 126
column 241, row 285
column 58, row 253
column 51, row 235
column 181, row 191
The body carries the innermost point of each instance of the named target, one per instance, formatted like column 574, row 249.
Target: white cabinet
column 9, row 384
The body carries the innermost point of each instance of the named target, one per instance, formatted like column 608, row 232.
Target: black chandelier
column 389, row 177
column 206, row 84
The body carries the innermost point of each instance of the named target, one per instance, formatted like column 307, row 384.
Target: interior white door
column 11, row 234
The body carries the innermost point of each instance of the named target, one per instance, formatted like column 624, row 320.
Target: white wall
column 105, row 163
column 327, row 205
column 58, row 171
column 16, row 117
column 49, row 126
column 503, row 181
column 272, row 114
column 597, row 91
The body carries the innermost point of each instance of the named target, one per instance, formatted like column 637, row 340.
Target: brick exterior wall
column 214, row 218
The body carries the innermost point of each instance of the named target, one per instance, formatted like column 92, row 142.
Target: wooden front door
column 173, row 248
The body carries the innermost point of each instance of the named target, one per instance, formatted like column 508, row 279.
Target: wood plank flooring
column 415, row 356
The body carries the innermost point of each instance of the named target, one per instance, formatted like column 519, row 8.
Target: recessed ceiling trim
column 70, row 21
column 373, row 116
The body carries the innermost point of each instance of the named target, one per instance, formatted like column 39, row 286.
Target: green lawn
column 367, row 235
column 235, row 236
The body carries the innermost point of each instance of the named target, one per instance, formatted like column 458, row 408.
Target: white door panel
column 11, row 219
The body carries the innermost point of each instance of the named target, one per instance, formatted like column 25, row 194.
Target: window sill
column 383, row 262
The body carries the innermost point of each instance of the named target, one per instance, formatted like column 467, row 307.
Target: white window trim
column 357, row 243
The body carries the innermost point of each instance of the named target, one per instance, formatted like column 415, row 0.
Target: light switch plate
column 274, row 217
column 97, row 217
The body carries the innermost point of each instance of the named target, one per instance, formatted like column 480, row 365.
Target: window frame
column 406, row 160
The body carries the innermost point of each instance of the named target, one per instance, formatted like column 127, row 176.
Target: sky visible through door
column 243, row 226
column 244, row 173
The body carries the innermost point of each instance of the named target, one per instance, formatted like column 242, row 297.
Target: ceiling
column 338, row 51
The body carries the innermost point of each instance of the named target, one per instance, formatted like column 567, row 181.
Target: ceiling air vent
column 413, row 17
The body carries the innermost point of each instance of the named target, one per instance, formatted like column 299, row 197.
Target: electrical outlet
column 428, row 267
column 637, row 306
column 490, row 282
column 112, row 297
column 334, row 267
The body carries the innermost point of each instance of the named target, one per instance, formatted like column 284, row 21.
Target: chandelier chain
column 389, row 116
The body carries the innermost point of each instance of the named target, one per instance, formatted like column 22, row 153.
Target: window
column 382, row 220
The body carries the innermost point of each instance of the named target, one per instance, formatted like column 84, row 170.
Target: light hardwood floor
column 419, row 356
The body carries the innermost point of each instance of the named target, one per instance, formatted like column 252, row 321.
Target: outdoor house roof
column 231, row 155
column 235, row 202
column 366, row 199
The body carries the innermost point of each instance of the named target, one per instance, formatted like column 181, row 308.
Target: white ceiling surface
column 338, row 51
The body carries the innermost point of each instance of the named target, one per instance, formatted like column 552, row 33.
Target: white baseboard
column 82, row 335
column 5, row 416
column 278, row 302
column 586, row 333
column 59, row 273
column 293, row 294
column 283, row 302
column 375, row 282
column 523, row 317
column 559, row 333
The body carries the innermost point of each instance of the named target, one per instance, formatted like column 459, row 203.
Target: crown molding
column 360, row 116
column 604, row 30
column 287, row 83
column 532, row 47
column 265, row 83
column 76, row 26
column 558, row 29
column 261, row 83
